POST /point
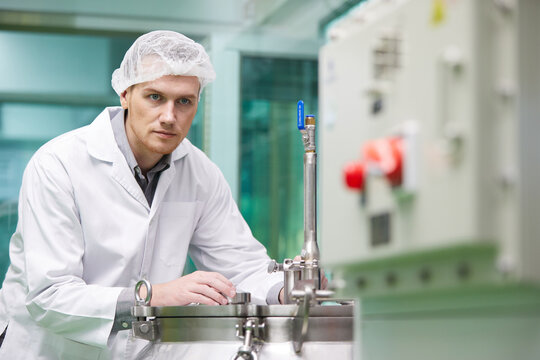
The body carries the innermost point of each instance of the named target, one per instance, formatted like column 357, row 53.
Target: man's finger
column 218, row 282
column 201, row 299
column 324, row 282
column 213, row 275
column 210, row 293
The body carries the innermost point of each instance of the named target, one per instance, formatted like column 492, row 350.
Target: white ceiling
column 298, row 19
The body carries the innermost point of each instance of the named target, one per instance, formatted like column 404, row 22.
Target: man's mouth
column 165, row 134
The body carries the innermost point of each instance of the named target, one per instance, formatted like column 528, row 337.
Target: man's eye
column 154, row 97
column 185, row 101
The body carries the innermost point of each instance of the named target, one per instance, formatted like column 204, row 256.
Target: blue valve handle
column 300, row 115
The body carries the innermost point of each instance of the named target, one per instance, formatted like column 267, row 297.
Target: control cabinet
column 430, row 114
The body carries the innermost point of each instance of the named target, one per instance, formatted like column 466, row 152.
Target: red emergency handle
column 385, row 154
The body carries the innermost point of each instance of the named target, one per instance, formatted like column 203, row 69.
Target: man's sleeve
column 223, row 242
column 272, row 298
column 58, row 298
column 123, row 317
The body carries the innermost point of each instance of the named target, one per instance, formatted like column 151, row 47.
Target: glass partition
column 271, row 163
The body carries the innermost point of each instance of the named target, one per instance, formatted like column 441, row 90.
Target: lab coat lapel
column 102, row 145
column 165, row 180
column 167, row 176
column 122, row 174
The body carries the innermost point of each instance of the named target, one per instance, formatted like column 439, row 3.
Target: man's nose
column 168, row 115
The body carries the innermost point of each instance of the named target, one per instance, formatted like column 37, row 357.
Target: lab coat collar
column 102, row 145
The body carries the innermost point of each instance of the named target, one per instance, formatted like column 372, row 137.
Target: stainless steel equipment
column 303, row 275
column 307, row 324
column 250, row 326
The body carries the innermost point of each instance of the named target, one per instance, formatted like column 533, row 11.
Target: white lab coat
column 86, row 231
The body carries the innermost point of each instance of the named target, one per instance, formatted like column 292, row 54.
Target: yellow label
column 438, row 13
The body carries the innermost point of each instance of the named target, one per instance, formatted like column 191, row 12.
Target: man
column 122, row 199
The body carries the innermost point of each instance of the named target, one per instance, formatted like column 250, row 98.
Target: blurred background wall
column 58, row 56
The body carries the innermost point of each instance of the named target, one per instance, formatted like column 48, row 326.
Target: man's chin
column 165, row 150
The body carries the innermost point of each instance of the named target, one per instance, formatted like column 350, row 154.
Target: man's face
column 159, row 116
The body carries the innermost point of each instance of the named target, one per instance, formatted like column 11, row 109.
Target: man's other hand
column 209, row 288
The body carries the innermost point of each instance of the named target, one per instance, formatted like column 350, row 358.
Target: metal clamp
column 305, row 299
column 291, row 275
column 145, row 327
column 251, row 332
column 147, row 330
column 301, row 321
column 146, row 300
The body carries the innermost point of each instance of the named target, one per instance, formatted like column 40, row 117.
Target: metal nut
column 144, row 328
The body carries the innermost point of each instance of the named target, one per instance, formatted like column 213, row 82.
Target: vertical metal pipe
column 310, row 250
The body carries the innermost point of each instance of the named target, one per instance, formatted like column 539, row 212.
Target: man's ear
column 123, row 99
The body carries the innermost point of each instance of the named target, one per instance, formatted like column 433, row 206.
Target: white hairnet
column 160, row 53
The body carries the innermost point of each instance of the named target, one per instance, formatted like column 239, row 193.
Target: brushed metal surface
column 276, row 329
column 240, row 310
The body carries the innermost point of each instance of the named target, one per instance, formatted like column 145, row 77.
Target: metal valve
column 292, row 270
column 251, row 332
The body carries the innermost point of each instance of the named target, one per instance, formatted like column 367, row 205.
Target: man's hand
column 324, row 281
column 281, row 296
column 209, row 288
